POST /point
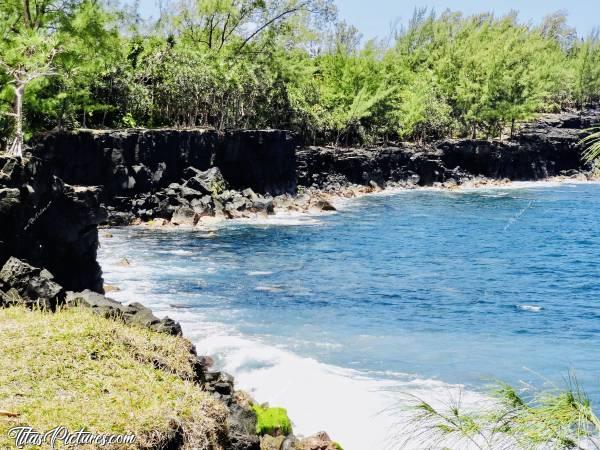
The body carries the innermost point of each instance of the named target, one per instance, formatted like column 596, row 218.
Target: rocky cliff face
column 131, row 162
column 49, row 223
column 545, row 148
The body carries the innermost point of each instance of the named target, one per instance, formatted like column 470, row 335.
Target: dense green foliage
column 287, row 64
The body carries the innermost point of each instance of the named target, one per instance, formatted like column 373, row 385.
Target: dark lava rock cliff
column 135, row 161
column 49, row 223
column 544, row 148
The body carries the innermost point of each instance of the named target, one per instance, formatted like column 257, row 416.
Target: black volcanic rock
column 317, row 165
column 48, row 223
column 135, row 313
column 543, row 148
column 30, row 286
column 131, row 162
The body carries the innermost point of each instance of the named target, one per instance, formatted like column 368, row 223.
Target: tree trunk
column 16, row 148
column 27, row 14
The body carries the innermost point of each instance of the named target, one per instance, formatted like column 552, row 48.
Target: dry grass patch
column 76, row 369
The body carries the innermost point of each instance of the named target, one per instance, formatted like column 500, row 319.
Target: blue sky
column 374, row 17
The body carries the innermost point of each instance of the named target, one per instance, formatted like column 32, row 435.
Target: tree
column 29, row 57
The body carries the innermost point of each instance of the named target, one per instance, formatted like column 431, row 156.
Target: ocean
column 345, row 318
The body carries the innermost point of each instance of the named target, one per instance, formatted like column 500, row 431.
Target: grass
column 272, row 421
column 528, row 419
column 79, row 370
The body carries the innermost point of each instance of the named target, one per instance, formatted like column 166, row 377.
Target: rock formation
column 544, row 148
column 48, row 223
column 131, row 162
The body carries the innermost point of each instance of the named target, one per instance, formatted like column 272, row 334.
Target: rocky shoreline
column 248, row 174
column 48, row 261
column 53, row 201
column 24, row 285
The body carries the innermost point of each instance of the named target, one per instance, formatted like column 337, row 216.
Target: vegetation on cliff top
column 283, row 63
column 79, row 370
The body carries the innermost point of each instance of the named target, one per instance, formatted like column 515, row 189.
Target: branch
column 269, row 23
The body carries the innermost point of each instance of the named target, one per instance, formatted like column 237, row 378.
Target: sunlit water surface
column 339, row 316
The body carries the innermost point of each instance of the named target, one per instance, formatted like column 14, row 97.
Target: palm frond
column 592, row 142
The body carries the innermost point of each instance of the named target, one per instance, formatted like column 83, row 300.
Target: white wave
column 358, row 411
column 281, row 218
column 259, row 273
column 181, row 252
column 531, row 308
column 269, row 288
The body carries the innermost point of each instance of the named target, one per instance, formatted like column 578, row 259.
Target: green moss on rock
column 272, row 421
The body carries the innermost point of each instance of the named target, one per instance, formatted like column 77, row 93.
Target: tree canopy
column 283, row 64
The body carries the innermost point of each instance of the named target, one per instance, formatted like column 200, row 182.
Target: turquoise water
column 418, row 288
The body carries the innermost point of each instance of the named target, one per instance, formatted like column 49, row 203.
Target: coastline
column 36, row 200
column 301, row 206
column 274, row 384
column 317, row 395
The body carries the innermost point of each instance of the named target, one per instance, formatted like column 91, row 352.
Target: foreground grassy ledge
column 77, row 369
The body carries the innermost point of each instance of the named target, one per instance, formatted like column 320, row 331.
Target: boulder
column 184, row 216
column 11, row 298
column 9, row 200
column 262, row 205
column 36, row 287
column 189, row 193
column 134, row 313
column 220, row 384
column 138, row 314
column 321, row 204
column 268, row 442
column 104, row 306
column 320, row 441
column 289, row 443
column 197, row 185
column 237, row 203
column 249, row 194
column 210, row 181
column 241, row 423
column 190, row 172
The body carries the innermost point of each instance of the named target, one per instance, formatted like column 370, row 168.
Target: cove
column 338, row 316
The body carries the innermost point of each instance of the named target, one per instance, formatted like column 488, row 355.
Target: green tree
column 28, row 57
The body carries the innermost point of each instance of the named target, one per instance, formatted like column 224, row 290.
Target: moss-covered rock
column 272, row 421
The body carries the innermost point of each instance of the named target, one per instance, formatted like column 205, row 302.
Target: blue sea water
column 415, row 291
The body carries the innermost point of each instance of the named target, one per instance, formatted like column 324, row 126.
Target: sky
column 374, row 18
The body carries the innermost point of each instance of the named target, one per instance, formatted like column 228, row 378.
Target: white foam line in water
column 346, row 202
column 358, row 411
column 530, row 308
column 259, row 273
column 281, row 218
